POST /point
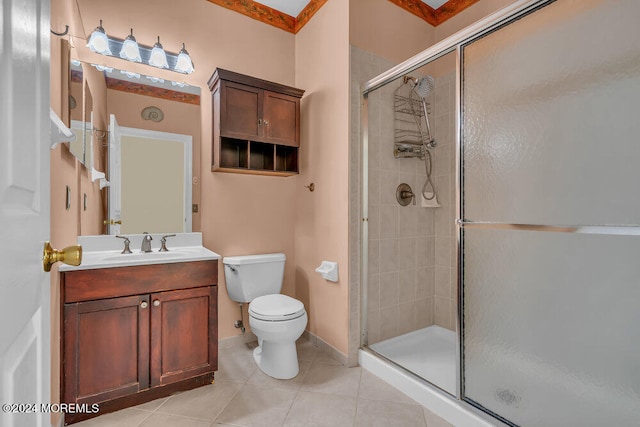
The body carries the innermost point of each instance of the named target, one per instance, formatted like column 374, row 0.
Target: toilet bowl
column 277, row 320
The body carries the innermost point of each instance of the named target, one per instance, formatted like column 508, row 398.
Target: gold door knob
column 71, row 255
column 112, row 222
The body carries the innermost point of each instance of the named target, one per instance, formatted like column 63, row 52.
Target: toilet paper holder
column 328, row 270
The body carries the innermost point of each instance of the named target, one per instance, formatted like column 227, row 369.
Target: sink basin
column 105, row 252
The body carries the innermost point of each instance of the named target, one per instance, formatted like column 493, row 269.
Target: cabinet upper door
column 240, row 111
column 184, row 334
column 106, row 349
column 281, row 119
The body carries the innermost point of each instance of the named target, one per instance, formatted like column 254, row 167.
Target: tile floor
column 324, row 393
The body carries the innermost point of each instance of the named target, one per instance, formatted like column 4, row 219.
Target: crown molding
column 433, row 16
column 271, row 16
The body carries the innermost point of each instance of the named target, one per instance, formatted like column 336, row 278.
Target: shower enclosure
column 518, row 295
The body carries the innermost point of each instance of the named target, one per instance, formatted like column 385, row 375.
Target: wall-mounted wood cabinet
column 256, row 125
column 134, row 334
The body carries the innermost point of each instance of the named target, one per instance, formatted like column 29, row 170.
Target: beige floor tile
column 151, row 406
column 332, row 379
column 256, row 405
column 235, row 367
column 306, row 350
column 318, row 409
column 164, row 420
column 327, row 358
column 125, row 418
column 375, row 413
column 204, row 403
column 435, row 421
column 373, row 388
column 245, row 348
column 260, row 378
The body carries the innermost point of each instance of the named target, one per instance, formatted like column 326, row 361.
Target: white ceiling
column 290, row 7
column 435, row 3
column 294, row 7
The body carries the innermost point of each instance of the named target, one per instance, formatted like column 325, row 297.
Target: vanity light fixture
column 184, row 63
column 158, row 56
column 98, row 41
column 130, row 50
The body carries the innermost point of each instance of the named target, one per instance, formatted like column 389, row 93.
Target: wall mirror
column 80, row 107
column 140, row 131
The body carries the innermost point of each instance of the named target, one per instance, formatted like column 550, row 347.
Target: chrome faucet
column 146, row 242
column 126, row 249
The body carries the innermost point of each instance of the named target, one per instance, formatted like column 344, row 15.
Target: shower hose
column 428, row 183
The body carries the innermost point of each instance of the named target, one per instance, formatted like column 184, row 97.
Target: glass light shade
column 98, row 41
column 158, row 56
column 155, row 79
column 184, row 63
column 130, row 49
column 178, row 84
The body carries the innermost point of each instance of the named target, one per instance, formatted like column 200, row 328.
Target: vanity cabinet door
column 106, row 349
column 281, row 119
column 184, row 335
column 240, row 111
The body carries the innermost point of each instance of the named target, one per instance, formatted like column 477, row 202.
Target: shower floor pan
column 429, row 353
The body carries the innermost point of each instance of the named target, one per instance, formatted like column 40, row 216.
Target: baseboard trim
column 328, row 348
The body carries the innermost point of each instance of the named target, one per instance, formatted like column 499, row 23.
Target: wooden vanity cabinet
column 134, row 334
column 256, row 125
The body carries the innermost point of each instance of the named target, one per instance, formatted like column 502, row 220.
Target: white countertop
column 105, row 251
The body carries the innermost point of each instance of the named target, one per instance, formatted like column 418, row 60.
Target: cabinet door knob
column 259, row 121
column 156, row 303
column 144, row 304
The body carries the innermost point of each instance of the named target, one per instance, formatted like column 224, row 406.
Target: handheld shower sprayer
column 423, row 88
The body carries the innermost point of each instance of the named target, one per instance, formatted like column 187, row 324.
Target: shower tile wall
column 410, row 248
column 444, row 157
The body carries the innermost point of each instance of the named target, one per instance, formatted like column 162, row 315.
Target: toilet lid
column 276, row 307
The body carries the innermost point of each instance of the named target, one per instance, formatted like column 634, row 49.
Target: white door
column 115, row 192
column 24, row 209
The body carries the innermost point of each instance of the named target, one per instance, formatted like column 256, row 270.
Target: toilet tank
column 252, row 276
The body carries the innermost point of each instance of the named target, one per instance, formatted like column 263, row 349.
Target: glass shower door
column 550, row 208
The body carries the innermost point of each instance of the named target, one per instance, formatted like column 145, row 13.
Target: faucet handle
column 126, row 249
column 163, row 246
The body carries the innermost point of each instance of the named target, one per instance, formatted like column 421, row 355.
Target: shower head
column 422, row 86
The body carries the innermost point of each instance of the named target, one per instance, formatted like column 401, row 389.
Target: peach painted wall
column 381, row 27
column 321, row 232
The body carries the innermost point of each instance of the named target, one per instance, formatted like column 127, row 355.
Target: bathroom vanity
column 137, row 327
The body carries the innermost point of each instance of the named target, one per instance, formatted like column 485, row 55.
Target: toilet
column 277, row 320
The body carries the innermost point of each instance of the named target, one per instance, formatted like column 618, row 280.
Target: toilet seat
column 276, row 307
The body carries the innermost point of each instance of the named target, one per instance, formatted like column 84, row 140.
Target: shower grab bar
column 620, row 230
